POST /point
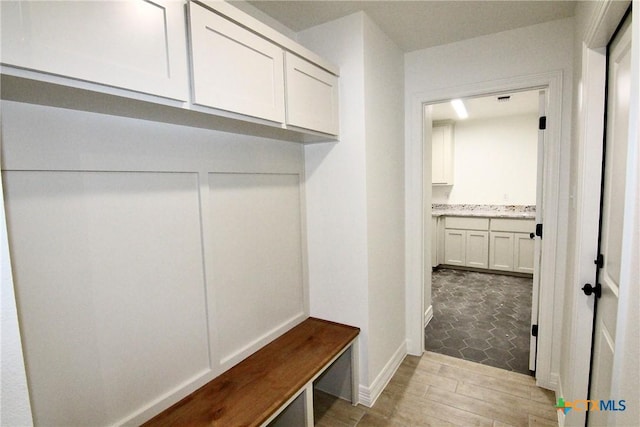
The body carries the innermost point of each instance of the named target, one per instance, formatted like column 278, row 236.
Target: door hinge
column 534, row 330
column 539, row 230
column 599, row 261
column 542, row 123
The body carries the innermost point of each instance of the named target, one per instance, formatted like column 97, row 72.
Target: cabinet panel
column 524, row 247
column 455, row 247
column 234, row 69
column 312, row 96
column 434, row 241
column 135, row 45
column 501, row 253
column 442, row 154
column 513, row 225
column 466, row 223
column 477, row 249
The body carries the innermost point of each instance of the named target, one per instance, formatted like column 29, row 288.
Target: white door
column 613, row 200
column 537, row 253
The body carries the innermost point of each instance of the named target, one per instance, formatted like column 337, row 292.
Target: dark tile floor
column 481, row 317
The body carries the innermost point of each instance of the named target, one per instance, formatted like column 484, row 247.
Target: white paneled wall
column 147, row 257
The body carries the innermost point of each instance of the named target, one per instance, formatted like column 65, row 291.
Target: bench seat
column 255, row 390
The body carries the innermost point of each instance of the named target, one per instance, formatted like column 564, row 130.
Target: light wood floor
column 438, row 390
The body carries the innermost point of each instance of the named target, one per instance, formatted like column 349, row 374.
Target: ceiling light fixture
column 458, row 105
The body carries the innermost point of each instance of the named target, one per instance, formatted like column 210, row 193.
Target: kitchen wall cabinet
column 138, row 46
column 234, row 69
column 442, row 154
column 312, row 96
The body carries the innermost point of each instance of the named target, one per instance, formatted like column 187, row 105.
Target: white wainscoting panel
column 257, row 263
column 110, row 289
column 147, row 257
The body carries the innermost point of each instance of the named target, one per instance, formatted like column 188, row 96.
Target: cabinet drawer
column 467, row 223
column 513, row 225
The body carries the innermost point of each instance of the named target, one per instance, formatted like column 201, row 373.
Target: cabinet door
column 135, row 45
column 455, row 242
column 234, row 69
column 477, row 249
column 523, row 253
column 434, row 241
column 501, row 251
column 442, row 155
column 312, row 96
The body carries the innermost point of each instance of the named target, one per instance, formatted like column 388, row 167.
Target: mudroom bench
column 273, row 385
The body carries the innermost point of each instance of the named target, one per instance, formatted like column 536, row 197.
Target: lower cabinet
column 467, row 248
column 524, row 253
column 498, row 244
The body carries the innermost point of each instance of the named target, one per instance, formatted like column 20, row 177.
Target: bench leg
column 355, row 372
column 308, row 405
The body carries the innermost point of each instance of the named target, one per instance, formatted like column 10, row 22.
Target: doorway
column 486, row 185
column 418, row 206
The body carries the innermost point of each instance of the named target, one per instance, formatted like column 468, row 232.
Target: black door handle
column 532, row 235
column 588, row 289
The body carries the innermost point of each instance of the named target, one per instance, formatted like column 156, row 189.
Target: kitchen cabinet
column 466, row 241
column 311, row 95
column 234, row 69
column 442, row 153
column 501, row 254
column 138, row 46
column 524, row 253
column 511, row 247
column 434, row 241
column 455, row 247
column 501, row 244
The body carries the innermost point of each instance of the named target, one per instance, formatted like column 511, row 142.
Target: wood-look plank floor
column 439, row 390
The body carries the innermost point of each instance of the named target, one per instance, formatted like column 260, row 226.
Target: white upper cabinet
column 442, row 154
column 135, row 45
column 312, row 96
column 234, row 69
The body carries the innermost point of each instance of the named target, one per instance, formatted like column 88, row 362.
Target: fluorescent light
column 458, row 105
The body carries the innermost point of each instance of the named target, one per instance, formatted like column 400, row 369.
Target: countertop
column 485, row 211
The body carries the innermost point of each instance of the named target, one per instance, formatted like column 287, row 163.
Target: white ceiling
column 488, row 106
column 417, row 25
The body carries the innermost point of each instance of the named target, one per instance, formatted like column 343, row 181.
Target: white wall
column 15, row 408
column 494, row 61
column 143, row 255
column 354, row 192
column 335, row 184
column 384, row 107
column 495, row 162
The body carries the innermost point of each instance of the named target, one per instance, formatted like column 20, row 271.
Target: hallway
column 481, row 317
column 439, row 390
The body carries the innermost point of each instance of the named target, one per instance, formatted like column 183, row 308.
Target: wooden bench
column 258, row 389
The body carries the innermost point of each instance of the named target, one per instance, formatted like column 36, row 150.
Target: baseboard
column 369, row 395
column 428, row 315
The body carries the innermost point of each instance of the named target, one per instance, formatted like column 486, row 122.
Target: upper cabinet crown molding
column 238, row 71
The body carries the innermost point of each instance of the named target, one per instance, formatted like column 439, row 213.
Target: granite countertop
column 485, row 211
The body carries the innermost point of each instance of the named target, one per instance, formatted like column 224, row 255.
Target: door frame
column 588, row 139
column 418, row 207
